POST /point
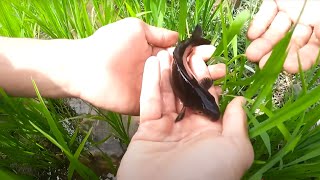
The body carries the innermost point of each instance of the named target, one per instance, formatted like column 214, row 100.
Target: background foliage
column 43, row 137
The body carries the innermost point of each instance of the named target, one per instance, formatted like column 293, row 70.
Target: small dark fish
column 193, row 94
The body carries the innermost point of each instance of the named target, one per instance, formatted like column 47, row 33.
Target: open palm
column 193, row 148
column 273, row 20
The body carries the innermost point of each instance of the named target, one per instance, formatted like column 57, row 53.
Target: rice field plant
column 35, row 141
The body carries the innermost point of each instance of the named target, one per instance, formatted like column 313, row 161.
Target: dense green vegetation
column 35, row 135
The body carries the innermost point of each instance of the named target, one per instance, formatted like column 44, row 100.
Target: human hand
column 112, row 74
column 273, row 20
column 193, row 148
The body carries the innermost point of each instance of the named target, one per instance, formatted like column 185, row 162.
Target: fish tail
column 197, row 38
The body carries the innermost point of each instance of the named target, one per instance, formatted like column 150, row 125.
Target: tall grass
column 285, row 138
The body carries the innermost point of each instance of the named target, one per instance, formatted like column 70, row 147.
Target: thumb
column 234, row 122
column 160, row 37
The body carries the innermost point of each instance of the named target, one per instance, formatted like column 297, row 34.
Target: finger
column 217, row 71
column 218, row 90
column 213, row 91
column 262, row 19
column 179, row 105
column 170, row 50
column 264, row 60
column 309, row 16
column 199, row 67
column 257, row 49
column 277, row 30
column 308, row 56
column 234, row 122
column 204, row 51
column 300, row 37
column 200, row 70
column 156, row 50
column 159, row 36
column 168, row 98
column 150, row 99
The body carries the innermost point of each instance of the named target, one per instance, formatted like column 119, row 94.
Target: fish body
column 193, row 95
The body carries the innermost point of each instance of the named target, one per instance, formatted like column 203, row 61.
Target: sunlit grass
column 285, row 140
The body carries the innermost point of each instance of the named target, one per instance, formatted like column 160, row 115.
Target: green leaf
column 264, row 136
column 54, row 128
column 276, row 158
column 81, row 169
column 182, row 18
column 77, row 154
column 7, row 175
column 233, row 30
column 287, row 112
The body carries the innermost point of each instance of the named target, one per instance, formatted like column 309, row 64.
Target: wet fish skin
column 193, row 94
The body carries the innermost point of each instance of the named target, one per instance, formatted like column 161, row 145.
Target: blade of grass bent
column 272, row 67
column 288, row 111
column 264, row 136
column 53, row 127
column 77, row 154
column 233, row 30
column 276, row 158
column 83, row 171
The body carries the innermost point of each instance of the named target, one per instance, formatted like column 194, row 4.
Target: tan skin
column 104, row 69
column 194, row 148
column 131, row 43
column 272, row 22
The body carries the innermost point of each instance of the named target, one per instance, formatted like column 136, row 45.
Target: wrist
column 59, row 67
column 88, row 73
column 47, row 62
column 69, row 71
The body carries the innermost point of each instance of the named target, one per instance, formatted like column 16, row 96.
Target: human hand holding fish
column 193, row 91
column 119, row 52
column 195, row 147
column 104, row 69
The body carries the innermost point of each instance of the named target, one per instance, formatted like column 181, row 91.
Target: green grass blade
column 302, row 76
column 264, row 136
column 272, row 68
column 77, row 154
column 312, row 117
column 74, row 136
column 309, row 155
column 130, row 10
column 7, row 175
column 288, row 112
column 233, row 30
column 276, row 158
column 299, row 171
column 182, row 18
column 81, row 169
column 54, row 128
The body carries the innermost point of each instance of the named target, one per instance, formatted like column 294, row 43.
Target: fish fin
column 197, row 32
column 181, row 114
column 206, row 83
column 197, row 37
